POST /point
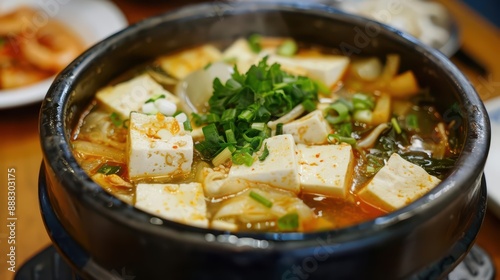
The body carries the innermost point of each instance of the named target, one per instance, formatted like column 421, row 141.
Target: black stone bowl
column 120, row 238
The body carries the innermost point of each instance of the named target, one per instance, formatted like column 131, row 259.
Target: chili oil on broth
column 98, row 141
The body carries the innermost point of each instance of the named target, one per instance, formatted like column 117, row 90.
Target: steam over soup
column 265, row 135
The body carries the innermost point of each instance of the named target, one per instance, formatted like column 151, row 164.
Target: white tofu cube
column 158, row 146
column 183, row 203
column 181, row 64
column 326, row 169
column 279, row 169
column 312, row 129
column 327, row 69
column 241, row 54
column 397, row 184
column 131, row 95
column 239, row 49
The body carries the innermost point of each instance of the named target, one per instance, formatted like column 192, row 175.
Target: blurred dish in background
column 428, row 21
column 31, row 52
column 38, row 39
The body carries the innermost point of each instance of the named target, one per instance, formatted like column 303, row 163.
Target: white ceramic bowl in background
column 92, row 20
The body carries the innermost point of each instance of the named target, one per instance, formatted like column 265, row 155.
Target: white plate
column 92, row 20
column 492, row 169
column 428, row 21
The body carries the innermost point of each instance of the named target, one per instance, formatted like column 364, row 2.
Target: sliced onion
column 290, row 116
column 370, row 140
column 195, row 90
column 94, row 149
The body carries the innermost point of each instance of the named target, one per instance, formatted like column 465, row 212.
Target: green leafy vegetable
column 337, row 139
column 116, row 119
column 241, row 157
column 279, row 129
column 412, row 122
column 287, row 48
column 361, row 102
column 187, row 125
column 337, row 112
column 222, row 157
column 262, row 200
column 289, row 222
column 264, row 154
column 395, row 125
column 254, row 43
column 309, row 105
column 433, row 166
column 108, row 169
column 240, row 109
column 154, row 98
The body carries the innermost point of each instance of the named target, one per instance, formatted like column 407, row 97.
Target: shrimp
column 52, row 47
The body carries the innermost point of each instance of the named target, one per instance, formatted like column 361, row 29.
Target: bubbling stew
column 268, row 134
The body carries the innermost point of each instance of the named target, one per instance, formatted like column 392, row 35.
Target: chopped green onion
column 222, row 157
column 154, row 98
column 126, row 123
column 265, row 153
column 364, row 116
column 198, row 119
column 107, row 169
column 116, row 120
column 230, row 60
column 211, row 146
column 262, row 115
column 211, row 134
column 347, row 103
column 337, row 139
column 289, row 222
column 207, row 66
column 287, row 48
column 242, row 157
column 212, row 118
column 322, row 87
column 412, row 122
column 262, row 200
column 230, row 138
column 246, row 115
column 309, row 105
column 241, row 107
column 341, row 110
column 256, row 142
column 187, row 125
column 254, row 43
column 259, row 126
column 344, row 129
column 279, row 129
column 266, row 133
column 228, row 115
column 362, row 102
column 204, row 119
column 396, row 126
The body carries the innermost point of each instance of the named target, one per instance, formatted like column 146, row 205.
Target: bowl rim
column 58, row 157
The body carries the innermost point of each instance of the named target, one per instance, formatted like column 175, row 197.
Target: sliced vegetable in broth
column 268, row 134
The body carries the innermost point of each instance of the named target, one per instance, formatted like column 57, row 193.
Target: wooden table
column 20, row 149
